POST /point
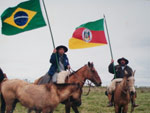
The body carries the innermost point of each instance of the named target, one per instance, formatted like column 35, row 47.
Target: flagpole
column 50, row 32
column 110, row 45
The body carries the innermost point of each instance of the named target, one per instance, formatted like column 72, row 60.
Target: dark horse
column 80, row 76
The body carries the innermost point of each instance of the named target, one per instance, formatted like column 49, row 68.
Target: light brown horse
column 43, row 98
column 122, row 95
column 80, row 76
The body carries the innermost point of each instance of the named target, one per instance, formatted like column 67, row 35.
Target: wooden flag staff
column 50, row 32
column 110, row 46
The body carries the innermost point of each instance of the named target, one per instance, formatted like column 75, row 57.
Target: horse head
column 128, row 80
column 92, row 74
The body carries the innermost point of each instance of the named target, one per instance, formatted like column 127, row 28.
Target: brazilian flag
column 25, row 16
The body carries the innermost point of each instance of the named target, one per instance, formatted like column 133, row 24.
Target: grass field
column 96, row 102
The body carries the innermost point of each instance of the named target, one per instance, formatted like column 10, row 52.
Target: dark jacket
column 54, row 67
column 119, row 72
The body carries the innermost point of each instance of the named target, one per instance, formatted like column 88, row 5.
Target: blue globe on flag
column 21, row 18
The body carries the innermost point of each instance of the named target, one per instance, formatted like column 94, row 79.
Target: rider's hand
column 112, row 61
column 68, row 67
column 54, row 51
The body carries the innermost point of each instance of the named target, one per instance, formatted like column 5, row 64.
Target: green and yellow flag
column 25, row 16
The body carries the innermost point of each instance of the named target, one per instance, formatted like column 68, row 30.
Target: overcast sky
column 26, row 55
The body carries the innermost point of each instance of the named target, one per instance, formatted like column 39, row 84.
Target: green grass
column 96, row 102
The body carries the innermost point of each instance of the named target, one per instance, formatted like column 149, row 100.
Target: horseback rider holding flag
column 59, row 64
column 62, row 64
column 119, row 71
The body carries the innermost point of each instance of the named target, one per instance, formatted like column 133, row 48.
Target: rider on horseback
column 59, row 64
column 119, row 74
column 63, row 61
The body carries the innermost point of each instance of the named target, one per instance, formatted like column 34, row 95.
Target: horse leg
column 30, row 110
column 3, row 105
column 14, row 104
column 10, row 105
column 125, row 109
column 120, row 109
column 116, row 109
column 67, row 107
column 47, row 110
column 51, row 111
column 37, row 111
column 9, row 108
column 132, row 108
column 75, row 109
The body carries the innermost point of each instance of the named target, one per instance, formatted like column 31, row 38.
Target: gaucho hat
column 62, row 46
column 119, row 60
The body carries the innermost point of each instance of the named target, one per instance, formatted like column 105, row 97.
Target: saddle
column 61, row 77
column 118, row 82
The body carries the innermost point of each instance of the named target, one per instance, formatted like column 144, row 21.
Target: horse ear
column 92, row 65
column 89, row 64
column 133, row 73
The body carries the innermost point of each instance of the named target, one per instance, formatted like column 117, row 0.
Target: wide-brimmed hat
column 119, row 60
column 61, row 46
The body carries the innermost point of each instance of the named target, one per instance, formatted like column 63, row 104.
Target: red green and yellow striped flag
column 90, row 34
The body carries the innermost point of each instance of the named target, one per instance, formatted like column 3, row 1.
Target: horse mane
column 59, row 86
column 75, row 71
column 124, row 86
column 62, row 86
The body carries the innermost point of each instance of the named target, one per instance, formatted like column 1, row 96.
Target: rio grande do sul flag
column 87, row 35
column 25, row 16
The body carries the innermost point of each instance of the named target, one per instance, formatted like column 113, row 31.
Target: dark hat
column 61, row 46
column 119, row 60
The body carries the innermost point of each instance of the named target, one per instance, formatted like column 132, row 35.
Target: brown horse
column 122, row 95
column 80, row 76
column 43, row 98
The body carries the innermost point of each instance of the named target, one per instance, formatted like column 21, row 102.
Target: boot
column 110, row 104
column 111, row 99
column 133, row 96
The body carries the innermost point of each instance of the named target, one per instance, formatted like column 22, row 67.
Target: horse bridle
column 74, row 72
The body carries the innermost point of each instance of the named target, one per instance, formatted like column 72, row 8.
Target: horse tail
column 37, row 80
column 3, row 104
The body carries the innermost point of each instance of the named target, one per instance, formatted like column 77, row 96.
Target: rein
column 89, row 84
